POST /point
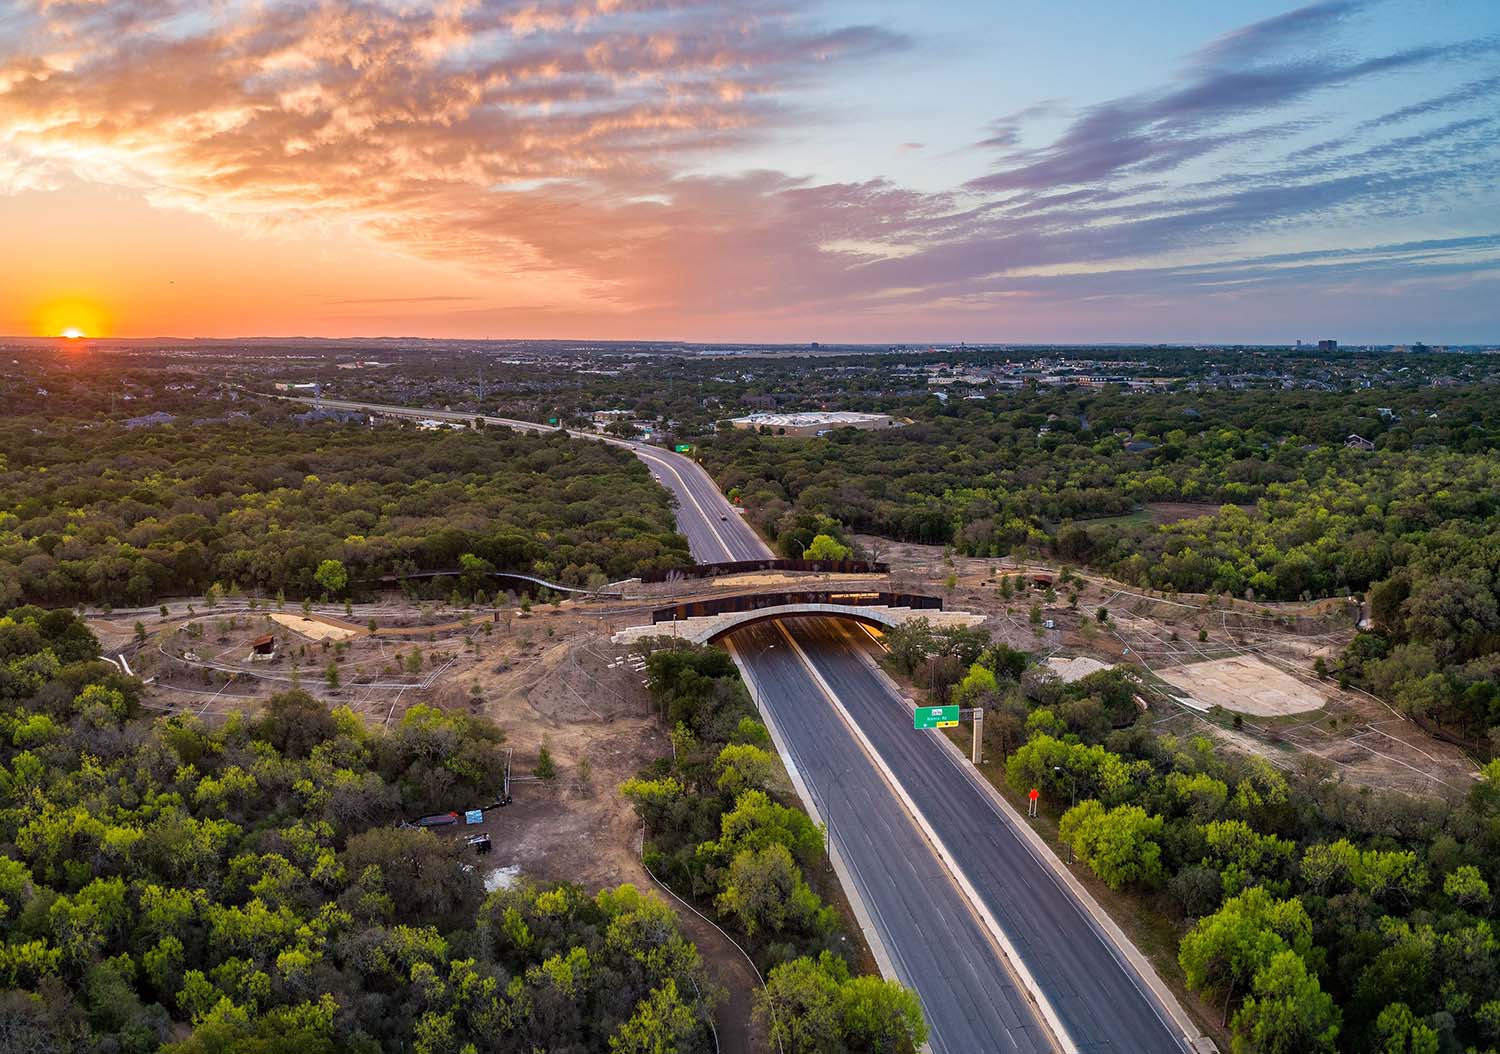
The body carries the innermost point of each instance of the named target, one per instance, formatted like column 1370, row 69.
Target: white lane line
column 534, row 426
column 642, row 454
column 1116, row 944
column 976, row 903
column 879, row 934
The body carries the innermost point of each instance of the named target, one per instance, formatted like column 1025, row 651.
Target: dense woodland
column 108, row 515
column 168, row 886
column 719, row 836
column 1314, row 917
column 1288, row 511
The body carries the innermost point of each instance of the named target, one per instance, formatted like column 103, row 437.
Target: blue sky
column 752, row 169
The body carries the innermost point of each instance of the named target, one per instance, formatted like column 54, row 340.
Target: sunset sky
column 996, row 170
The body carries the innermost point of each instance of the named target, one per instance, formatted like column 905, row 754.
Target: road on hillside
column 936, row 943
column 714, row 528
column 1103, row 1003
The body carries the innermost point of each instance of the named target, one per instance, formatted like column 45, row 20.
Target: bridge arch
column 880, row 618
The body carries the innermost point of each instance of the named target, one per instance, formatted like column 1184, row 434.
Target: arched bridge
column 706, row 621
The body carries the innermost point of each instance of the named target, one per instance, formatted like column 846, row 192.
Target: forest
column 1314, row 917
column 167, row 886
column 1287, row 510
column 718, row 835
column 101, row 514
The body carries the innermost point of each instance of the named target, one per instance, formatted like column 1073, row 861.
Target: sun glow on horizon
column 70, row 318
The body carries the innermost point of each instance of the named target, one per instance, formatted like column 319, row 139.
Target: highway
column 936, row 943
column 713, row 527
column 939, row 924
column 1102, row 1002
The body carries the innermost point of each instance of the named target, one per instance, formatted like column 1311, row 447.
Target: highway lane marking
column 534, row 426
column 1111, row 943
column 1009, row 956
column 644, row 456
column 883, row 954
column 860, row 888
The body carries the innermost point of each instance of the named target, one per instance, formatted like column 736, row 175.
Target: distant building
column 1355, row 442
column 1328, row 345
column 150, row 420
column 806, row 424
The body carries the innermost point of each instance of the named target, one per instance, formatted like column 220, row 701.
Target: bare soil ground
column 1244, row 685
column 314, row 627
column 550, row 678
column 1075, row 669
column 1365, row 740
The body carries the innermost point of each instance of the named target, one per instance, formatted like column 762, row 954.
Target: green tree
column 826, row 547
column 1224, row 951
column 813, row 1006
column 1398, row 1031
column 1287, row 1011
column 662, row 1024
column 742, row 767
column 1120, row 845
column 545, row 768
column 765, row 892
column 1466, row 885
column 332, row 576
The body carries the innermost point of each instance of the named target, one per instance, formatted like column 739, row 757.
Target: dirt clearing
column 1070, row 670
column 1245, row 685
column 314, row 627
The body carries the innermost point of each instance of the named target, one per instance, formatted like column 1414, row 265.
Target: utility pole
column 976, row 751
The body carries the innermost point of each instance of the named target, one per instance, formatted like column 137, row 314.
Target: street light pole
column 1073, row 796
column 1072, row 785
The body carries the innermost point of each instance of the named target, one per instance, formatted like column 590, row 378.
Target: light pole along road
column 937, row 872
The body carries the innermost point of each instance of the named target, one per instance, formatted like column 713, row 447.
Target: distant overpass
column 706, row 621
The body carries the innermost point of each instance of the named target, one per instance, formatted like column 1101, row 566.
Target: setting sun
column 71, row 318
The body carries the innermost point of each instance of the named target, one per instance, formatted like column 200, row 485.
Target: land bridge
column 706, row 621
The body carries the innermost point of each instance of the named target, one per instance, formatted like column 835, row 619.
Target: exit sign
column 683, row 448
column 552, row 420
column 935, row 717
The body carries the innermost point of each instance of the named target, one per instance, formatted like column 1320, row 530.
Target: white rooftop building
column 814, row 423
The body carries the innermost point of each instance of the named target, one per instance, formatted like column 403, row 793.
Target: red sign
column 1034, row 795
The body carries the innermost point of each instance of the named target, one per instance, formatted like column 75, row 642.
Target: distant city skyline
column 1247, row 172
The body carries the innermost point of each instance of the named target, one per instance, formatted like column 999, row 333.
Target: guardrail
column 737, row 567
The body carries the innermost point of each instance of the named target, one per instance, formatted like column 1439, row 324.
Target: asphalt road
column 713, row 527
column 1103, row 1004
column 938, row 945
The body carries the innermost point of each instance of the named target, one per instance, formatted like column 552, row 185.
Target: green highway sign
column 935, row 717
column 683, row 448
column 552, row 420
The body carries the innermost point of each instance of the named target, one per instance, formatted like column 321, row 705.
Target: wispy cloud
column 564, row 139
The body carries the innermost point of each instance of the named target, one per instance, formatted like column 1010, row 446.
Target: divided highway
column 713, row 527
column 1104, row 1005
column 924, row 921
column 934, row 941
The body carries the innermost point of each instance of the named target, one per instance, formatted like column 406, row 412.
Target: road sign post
column 1031, row 799
column 935, row 717
column 683, row 448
